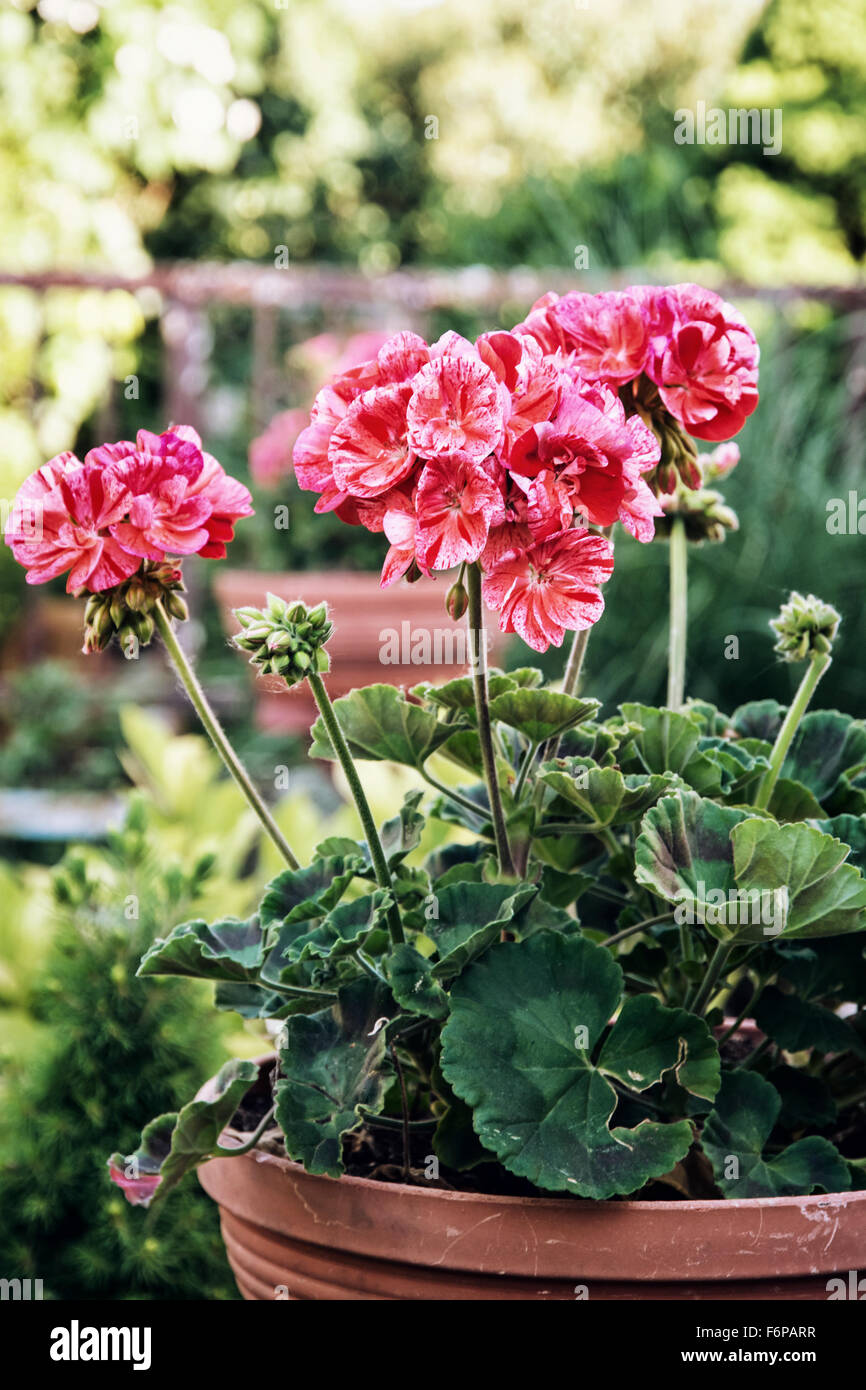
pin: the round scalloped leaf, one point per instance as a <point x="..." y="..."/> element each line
<point x="602" y="796"/>
<point x="736" y="1132"/>
<point x="825" y="896"/>
<point x="759" y="719"/>
<point x="684" y="853"/>
<point x="541" y="714"/>
<point x="798" y="1025"/>
<point x="297" y="895"/>
<point x="334" y="1063"/>
<point x="380" y="725"/>
<point x="826" y="745"/>
<point x="851" y="830"/>
<point x="469" y="917"/>
<point x="518" y="1048"/>
<point x="228" y="950"/>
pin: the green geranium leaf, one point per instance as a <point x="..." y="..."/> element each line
<point x="791" y="801"/>
<point x="343" y="929"/>
<point x="563" y="889"/>
<point x="736" y="1131"/>
<point x="518" y="1048"/>
<point x="851" y="830"/>
<point x="468" y="918"/>
<point x="334" y="1065"/>
<point x="590" y="740"/>
<point x="833" y="967"/>
<point x="173" y="1144"/>
<point x="297" y="895"/>
<point x="684" y="853"/>
<point x="711" y="720"/>
<point x="602" y="796"/>
<point x="741" y="765"/>
<point x="798" y="1025"/>
<point x="380" y="725"/>
<point x="459" y="694"/>
<point x="412" y="983"/>
<point x="667" y="741"/>
<point x="826" y="897"/>
<point x="825" y="745"/>
<point x="746" y="876"/>
<point x="402" y="834"/>
<point x="251" y="1001"/>
<point x="228" y="950"/>
<point x="759" y="719"/>
<point x="806" y="1101"/>
<point x="541" y="714"/>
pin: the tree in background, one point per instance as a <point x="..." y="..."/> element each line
<point x="116" y="1051"/>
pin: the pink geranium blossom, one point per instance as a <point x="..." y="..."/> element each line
<point x="456" y="409"/>
<point x="369" y="451"/>
<point x="77" y="503"/>
<point x="126" y="502"/>
<point x="606" y="335"/>
<point x="457" y="501"/>
<point x="550" y="588"/>
<point x="164" y="514"/>
<point x="704" y="360"/>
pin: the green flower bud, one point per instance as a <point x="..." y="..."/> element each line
<point x="804" y="626"/>
<point x="285" y="638"/>
<point x="706" y="516"/>
<point x="457" y="601"/>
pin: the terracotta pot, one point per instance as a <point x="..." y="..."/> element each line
<point x="291" y="1235"/>
<point x="363" y="613"/>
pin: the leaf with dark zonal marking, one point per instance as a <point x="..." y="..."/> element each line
<point x="736" y="1133"/>
<point x="173" y="1144"/>
<point x="297" y="895"/>
<point x="335" y="1065"/>
<point x="525" y="1025"/>
<point x="227" y="950"/>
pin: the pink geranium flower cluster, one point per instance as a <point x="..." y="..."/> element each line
<point x="696" y="348"/>
<point x="504" y="452"/>
<point x="491" y="452"/>
<point x="127" y="502"/>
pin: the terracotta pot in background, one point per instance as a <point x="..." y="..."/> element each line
<point x="362" y="612"/>
<point x="289" y="1234"/>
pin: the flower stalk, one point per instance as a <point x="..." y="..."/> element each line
<point x="818" y="663"/>
<point x="217" y="735"/>
<point x="678" y="629"/>
<point x="478" y="657"/>
<point x="371" y="834"/>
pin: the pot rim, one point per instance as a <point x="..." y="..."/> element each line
<point x="816" y="1200"/>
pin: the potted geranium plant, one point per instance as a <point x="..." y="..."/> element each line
<point x="609" y="1043"/>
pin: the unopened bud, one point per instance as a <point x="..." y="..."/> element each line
<point x="457" y="601"/>
<point x="805" y="626"/>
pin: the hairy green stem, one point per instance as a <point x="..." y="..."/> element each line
<point x="371" y="834"/>
<point x="478" y="656"/>
<point x="454" y="795"/>
<point x="714" y="972"/>
<point x="638" y="926"/>
<point x="217" y="735"/>
<point x="818" y="663"/>
<point x="679" y="610"/>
